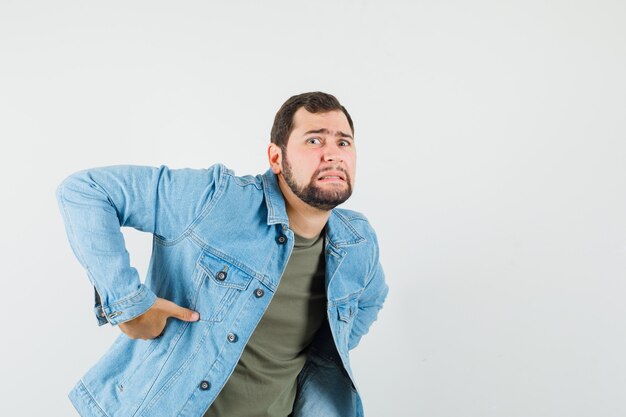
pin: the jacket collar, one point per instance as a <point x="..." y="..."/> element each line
<point x="339" y="230"/>
<point x="276" y="210"/>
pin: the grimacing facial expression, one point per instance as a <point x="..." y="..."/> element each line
<point x="319" y="161"/>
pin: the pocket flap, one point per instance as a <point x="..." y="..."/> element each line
<point x="224" y="273"/>
<point x="347" y="310"/>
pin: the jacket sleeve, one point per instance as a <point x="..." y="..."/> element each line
<point x="370" y="302"/>
<point x="94" y="205"/>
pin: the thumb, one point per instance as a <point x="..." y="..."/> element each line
<point x="181" y="313"/>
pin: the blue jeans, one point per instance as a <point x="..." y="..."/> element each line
<point x="324" y="390"/>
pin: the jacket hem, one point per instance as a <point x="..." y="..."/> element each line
<point x="84" y="403"/>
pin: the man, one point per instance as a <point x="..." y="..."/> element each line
<point x="257" y="286"/>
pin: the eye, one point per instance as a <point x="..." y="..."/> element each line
<point x="314" y="141"/>
<point x="344" y="142"/>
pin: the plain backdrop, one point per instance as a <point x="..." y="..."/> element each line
<point x="491" y="141"/>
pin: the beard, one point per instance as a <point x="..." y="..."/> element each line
<point x="313" y="195"/>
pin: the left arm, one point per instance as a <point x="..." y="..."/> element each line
<point x="370" y="303"/>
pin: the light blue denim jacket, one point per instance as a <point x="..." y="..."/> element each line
<point x="204" y="222"/>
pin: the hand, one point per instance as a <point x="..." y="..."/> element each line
<point x="150" y="324"/>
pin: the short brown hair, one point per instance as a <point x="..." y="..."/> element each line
<point x="314" y="102"/>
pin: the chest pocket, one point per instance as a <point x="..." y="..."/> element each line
<point x="220" y="284"/>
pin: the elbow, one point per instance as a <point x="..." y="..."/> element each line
<point x="69" y="184"/>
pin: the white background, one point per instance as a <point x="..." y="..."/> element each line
<point x="491" y="139"/>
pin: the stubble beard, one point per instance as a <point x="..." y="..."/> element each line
<point x="312" y="194"/>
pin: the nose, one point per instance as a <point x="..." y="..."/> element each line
<point x="332" y="152"/>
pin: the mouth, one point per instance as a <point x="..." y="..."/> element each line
<point x="332" y="176"/>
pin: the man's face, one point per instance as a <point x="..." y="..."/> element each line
<point x="320" y="160"/>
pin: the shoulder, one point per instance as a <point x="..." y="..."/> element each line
<point x="241" y="180"/>
<point x="351" y="215"/>
<point x="359" y="223"/>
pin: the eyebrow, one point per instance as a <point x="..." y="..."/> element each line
<point x="327" y="132"/>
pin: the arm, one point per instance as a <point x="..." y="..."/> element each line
<point x="96" y="203"/>
<point x="370" y="303"/>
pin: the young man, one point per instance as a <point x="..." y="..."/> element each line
<point x="257" y="287"/>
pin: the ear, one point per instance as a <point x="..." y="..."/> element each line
<point x="275" y="158"/>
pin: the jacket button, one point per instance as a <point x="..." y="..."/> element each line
<point x="204" y="385"/>
<point x="258" y="293"/>
<point x="221" y="275"/>
<point x="232" y="337"/>
<point x="281" y="239"/>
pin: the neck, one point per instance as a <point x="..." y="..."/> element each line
<point x="304" y="220"/>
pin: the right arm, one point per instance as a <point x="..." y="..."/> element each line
<point x="95" y="203"/>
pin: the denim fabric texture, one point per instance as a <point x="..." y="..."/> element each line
<point x="217" y="238"/>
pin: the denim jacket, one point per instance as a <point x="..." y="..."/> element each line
<point x="217" y="240"/>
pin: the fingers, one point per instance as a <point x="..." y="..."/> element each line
<point x="151" y="324"/>
<point x="143" y="331"/>
<point x="178" y="312"/>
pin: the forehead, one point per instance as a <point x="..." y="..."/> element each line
<point x="334" y="120"/>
